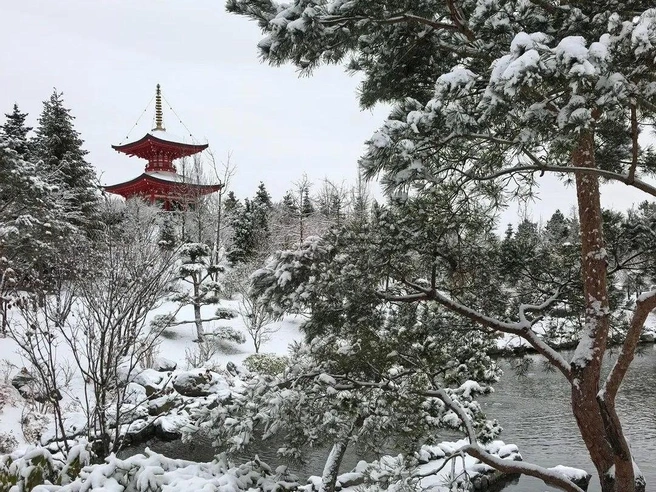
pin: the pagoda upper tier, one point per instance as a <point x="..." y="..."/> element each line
<point x="160" y="149"/>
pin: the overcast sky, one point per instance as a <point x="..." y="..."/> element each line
<point x="107" y="56"/>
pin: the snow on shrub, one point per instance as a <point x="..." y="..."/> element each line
<point x="266" y="364"/>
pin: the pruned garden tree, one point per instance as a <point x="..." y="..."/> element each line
<point x="196" y="273"/>
<point x="489" y="95"/>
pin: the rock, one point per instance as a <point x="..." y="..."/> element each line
<point x="199" y="382"/>
<point x="580" y="477"/>
<point x="648" y="337"/>
<point x="135" y="394"/>
<point x="138" y="432"/>
<point x="168" y="428"/>
<point x="152" y="380"/>
<point x="161" y="405"/>
<point x="235" y="370"/>
<point x="27" y="387"/>
<point x="164" y="365"/>
<point x="23" y="378"/>
<point x="166" y="435"/>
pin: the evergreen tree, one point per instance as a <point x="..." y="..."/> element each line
<point x="487" y="96"/>
<point x="15" y="132"/>
<point x="59" y="147"/>
<point x="32" y="223"/>
<point x="262" y="197"/>
<point x="197" y="270"/>
<point x="251" y="228"/>
<point x="307" y="207"/>
<point x="289" y="204"/>
<point x="231" y="203"/>
<point x="557" y="230"/>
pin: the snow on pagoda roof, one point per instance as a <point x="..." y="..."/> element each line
<point x="167" y="176"/>
<point x="172" y="182"/>
<point x="166" y="137"/>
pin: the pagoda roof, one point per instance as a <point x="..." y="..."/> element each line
<point x="160" y="140"/>
<point x="161" y="184"/>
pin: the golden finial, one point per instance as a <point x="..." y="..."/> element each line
<point x="158" y="110"/>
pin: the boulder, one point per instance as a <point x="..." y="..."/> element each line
<point x="27" y="387"/>
<point x="162" y="364"/>
<point x="200" y="382"/>
<point x="152" y="380"/>
<point x="23" y="378"/>
<point x="168" y="427"/>
<point x="236" y="370"/>
<point x="161" y="405"/>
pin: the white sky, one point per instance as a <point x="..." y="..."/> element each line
<point x="107" y="56"/>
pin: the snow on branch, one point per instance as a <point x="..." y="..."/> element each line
<point x="521" y="328"/>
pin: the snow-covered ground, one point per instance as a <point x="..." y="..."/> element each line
<point x="176" y="343"/>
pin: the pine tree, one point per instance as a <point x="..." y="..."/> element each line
<point x="198" y="271"/>
<point x="59" y="146"/>
<point x="16" y="132"/>
<point x="487" y="97"/>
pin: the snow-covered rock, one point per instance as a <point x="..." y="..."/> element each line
<point x="579" y="477"/>
<point x="152" y="380"/>
<point x="163" y="364"/>
<point x="200" y="382"/>
<point x="161" y="405"/>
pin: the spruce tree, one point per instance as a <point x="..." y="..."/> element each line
<point x="231" y="203"/>
<point x="59" y="146"/>
<point x="307" y="207"/>
<point x="16" y="131"/>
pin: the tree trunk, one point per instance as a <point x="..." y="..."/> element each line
<point x="331" y="468"/>
<point x="200" y="333"/>
<point x="602" y="434"/>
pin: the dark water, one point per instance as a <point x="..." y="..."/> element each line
<point x="535" y="413"/>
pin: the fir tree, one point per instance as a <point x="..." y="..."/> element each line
<point x="16" y="131"/>
<point x="262" y="197"/>
<point x="289" y="204"/>
<point x="59" y="146"/>
<point x="231" y="203"/>
<point x="307" y="207"/>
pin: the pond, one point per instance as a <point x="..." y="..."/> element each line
<point x="535" y="413"/>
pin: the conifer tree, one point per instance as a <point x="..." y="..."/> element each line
<point x="231" y="203"/>
<point x="59" y="146"/>
<point x="488" y="96"/>
<point x="16" y="131"/>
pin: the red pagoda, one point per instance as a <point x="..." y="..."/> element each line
<point x="160" y="183"/>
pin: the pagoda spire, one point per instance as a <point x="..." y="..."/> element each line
<point x="159" y="123"/>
